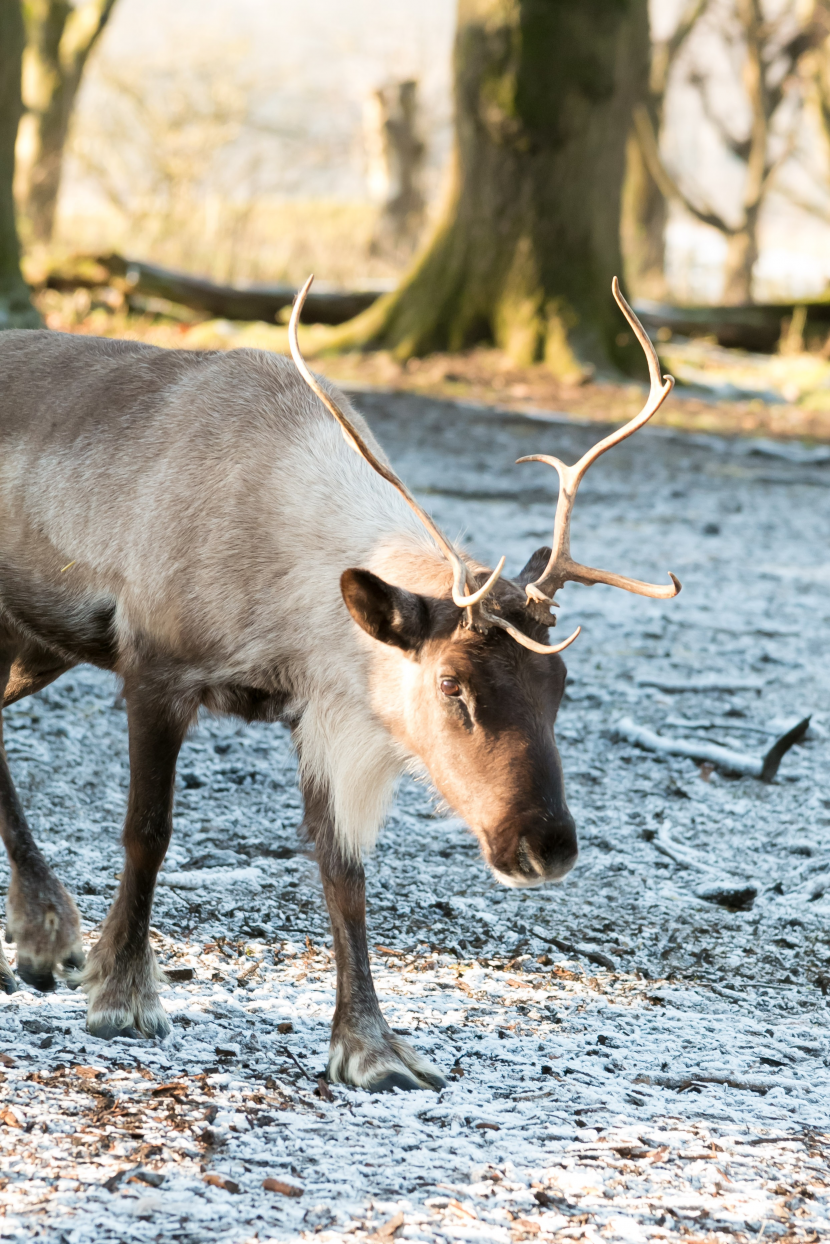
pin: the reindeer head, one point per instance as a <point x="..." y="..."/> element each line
<point x="464" y="678"/>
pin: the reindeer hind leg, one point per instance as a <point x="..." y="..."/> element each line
<point x="41" y="916"/>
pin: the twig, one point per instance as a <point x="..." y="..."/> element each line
<point x="285" y="1050"/>
<point x="593" y="956"/>
<point x="681" y="855"/>
<point x="764" y="767"/>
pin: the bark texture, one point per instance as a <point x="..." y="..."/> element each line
<point x="770" y="70"/>
<point x="60" y="37"/>
<point x="529" y="240"/>
<point x="645" y="206"/>
<point x="16" y="310"/>
<point x="644" y="219"/>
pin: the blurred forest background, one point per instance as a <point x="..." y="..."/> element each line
<point x="481" y="170"/>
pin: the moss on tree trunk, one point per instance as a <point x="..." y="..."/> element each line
<point x="529" y="240"/>
<point x="16" y="310"/>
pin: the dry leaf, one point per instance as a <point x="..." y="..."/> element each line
<point x="174" y="1089"/>
<point x="12" y="1117"/>
<point x="284" y="1189"/>
<point x="221" y="1181"/>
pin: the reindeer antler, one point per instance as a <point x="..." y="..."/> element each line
<point x="461" y="579"/>
<point x="471" y="602"/>
<point x="561" y="568"/>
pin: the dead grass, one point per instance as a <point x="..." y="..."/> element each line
<point x="481" y="376"/>
<point x="267" y="241"/>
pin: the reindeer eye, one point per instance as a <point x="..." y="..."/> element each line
<point x="449" y="686"/>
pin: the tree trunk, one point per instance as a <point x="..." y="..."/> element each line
<point x="643" y="228"/>
<point x="396" y="158"/>
<point x="530" y="238"/>
<point x="741" y="255"/>
<point x="60" y="37"/>
<point x="16" y="311"/>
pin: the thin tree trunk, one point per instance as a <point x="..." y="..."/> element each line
<point x="16" y="310"/>
<point x="529" y="241"/>
<point x="60" y="39"/>
<point x="741" y="255"/>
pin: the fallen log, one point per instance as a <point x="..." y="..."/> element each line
<point x="764" y="767"/>
<point x="231" y="303"/>
<point x="757" y="327"/>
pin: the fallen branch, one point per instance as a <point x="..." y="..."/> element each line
<point x="764" y="767"/>
<point x="691" y="1078"/>
<point x="757" y="327"/>
<point x="230" y="303"/>
<point x="678" y="685"/>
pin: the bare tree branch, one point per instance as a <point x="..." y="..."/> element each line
<point x="668" y="185"/>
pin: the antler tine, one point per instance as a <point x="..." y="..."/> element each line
<point x="561" y="568"/>
<point x="461" y="576"/>
<point x="527" y="642"/>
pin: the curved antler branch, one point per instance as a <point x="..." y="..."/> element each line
<point x="527" y="642"/>
<point x="561" y="568"/>
<point x="461" y="576"/>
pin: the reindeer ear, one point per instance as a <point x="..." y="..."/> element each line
<point x="534" y="567"/>
<point x="389" y="614"/>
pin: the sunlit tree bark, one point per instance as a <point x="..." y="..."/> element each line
<point x="59" y="39"/>
<point x="528" y="243"/>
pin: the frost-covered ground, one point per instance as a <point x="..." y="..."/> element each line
<point x="628" y="1061"/>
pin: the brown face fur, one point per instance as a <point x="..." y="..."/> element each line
<point x="479" y="711"/>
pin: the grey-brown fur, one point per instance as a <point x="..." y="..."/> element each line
<point x="185" y="520"/>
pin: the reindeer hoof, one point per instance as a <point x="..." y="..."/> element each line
<point x="7" y="982"/>
<point x="393" y="1080"/>
<point x="156" y="1027"/>
<point x="379" y="1062"/>
<point x="42" y="981"/>
<point x="108" y="1032"/>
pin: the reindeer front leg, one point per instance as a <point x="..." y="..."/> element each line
<point x="364" y="1051"/>
<point x="121" y="976"/>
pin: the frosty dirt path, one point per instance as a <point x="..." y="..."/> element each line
<point x="628" y="1060"/>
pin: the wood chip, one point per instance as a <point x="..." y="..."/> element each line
<point x="284" y="1189"/>
<point x="285" y="1026"/>
<point x="387" y="1230"/>
<point x="179" y="974"/>
<point x="488" y="1127"/>
<point x="462" y="1209"/>
<point x="221" y="1181"/>
<point x="324" y="1090"/>
<point x="249" y="970"/>
<point x="174" y="1089"/>
<point x="6" y="1060"/>
<point x="88" y="1073"/>
<point x="12" y="1117"/>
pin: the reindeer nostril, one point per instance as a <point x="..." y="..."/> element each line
<point x="549" y="855"/>
<point x="527" y="861"/>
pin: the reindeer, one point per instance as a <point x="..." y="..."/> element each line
<point x="197" y="524"/>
